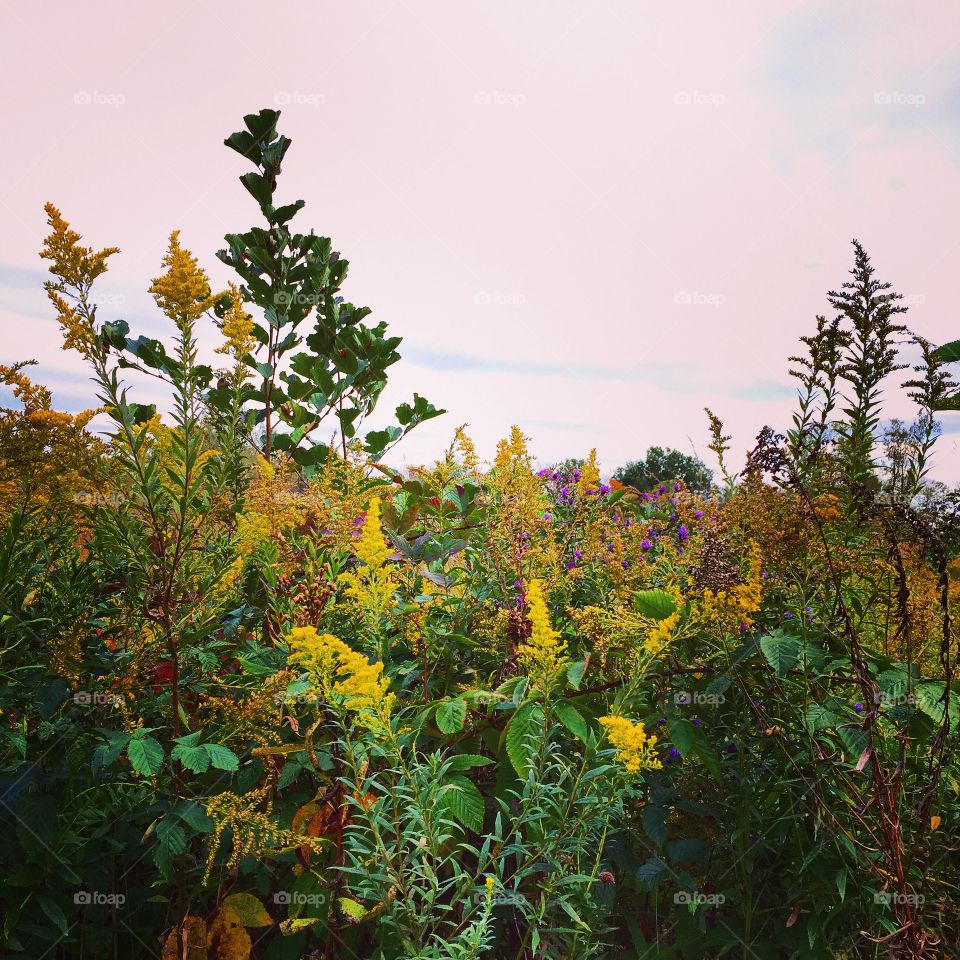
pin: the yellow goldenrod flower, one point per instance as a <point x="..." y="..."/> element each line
<point x="542" y="653"/>
<point x="183" y="291"/>
<point x="661" y="634"/>
<point x="635" y="749"/>
<point x="337" y="671"/>
<point x="372" y="585"/>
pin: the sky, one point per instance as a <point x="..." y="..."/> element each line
<point x="588" y="219"/>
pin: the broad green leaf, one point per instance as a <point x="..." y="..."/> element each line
<point x="465" y="802"/>
<point x="467" y="761"/>
<point x="451" y="715"/>
<point x="655" y="604"/>
<point x="781" y="650"/>
<point x="146" y="755"/>
<point x="522" y="736"/>
<point x="572" y="719"/>
<point x="223" y="758"/>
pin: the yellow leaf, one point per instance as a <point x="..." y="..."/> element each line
<point x="249" y="909"/>
<point x="351" y="908"/>
<point x="934" y="823"/>
<point x="194" y="941"/>
<point x="227" y="938"/>
<point x="296" y="924"/>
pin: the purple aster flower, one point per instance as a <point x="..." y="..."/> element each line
<point x="683" y="533"/>
<point x="578" y="554"/>
<point x="517" y="585"/>
<point x="697" y="722"/>
<point x="625" y="564"/>
<point x="676" y="486"/>
<point x="787" y="615"/>
<point x="698" y="515"/>
<point x="730" y="748"/>
<point x="662" y="722"/>
<point x="604" y="489"/>
<point x="858" y="707"/>
<point x="673" y="754"/>
<point x="571" y="565"/>
<point x="645" y="544"/>
<point x="544" y="473"/>
<point x="575" y="474"/>
<point x="662" y="488"/>
<point x="547" y="516"/>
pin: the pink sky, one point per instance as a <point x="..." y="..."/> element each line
<point x="590" y="219"/>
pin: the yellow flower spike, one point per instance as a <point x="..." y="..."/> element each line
<point x="183" y="291"/>
<point x="635" y="749"/>
<point x="372" y="547"/>
<point x="337" y="671"/>
<point x="542" y="654"/>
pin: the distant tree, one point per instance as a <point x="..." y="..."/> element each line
<point x="665" y="465"/>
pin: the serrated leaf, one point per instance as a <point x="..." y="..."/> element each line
<point x="451" y="715"/>
<point x="818" y="717"/>
<point x="523" y="731"/>
<point x="650" y="874"/>
<point x="467" y="761"/>
<point x="195" y="759"/>
<point x="572" y="719"/>
<point x="781" y="650"/>
<point x="171" y="836"/>
<point x="223" y="758"/>
<point x="465" y="802"/>
<point x="146" y="755"/>
<point x="654" y="824"/>
<point x="655" y="604"/>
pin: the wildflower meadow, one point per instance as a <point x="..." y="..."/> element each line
<point x="268" y="692"/>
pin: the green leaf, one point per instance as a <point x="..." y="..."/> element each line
<point x="682" y="734"/>
<point x="351" y="908"/>
<point x="948" y="353"/>
<point x="655" y="604"/>
<point x="688" y="850"/>
<point x="818" y="717"/>
<point x="223" y="758"/>
<point x="465" y="802"/>
<point x="654" y="824"/>
<point x="650" y="874"/>
<point x="575" y="673"/>
<point x="781" y="650"/>
<point x="52" y="909"/>
<point x="195" y="759"/>
<point x="451" y="715"/>
<point x="467" y="761"/>
<point x="146" y="755"/>
<point x="171" y="836"/>
<point x="572" y="719"/>
<point x="523" y="732"/>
